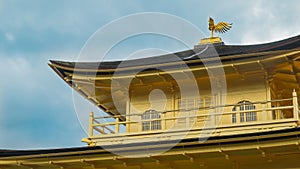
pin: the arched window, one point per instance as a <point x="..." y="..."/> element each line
<point x="247" y="116"/>
<point x="149" y="122"/>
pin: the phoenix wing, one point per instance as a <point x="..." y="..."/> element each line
<point x="222" y="27"/>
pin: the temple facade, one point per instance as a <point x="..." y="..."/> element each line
<point x="214" y="106"/>
<point x="229" y="88"/>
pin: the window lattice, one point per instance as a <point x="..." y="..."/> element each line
<point x="149" y="121"/>
<point x="190" y="107"/>
<point x="244" y="116"/>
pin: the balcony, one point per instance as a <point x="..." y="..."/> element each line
<point x="196" y="122"/>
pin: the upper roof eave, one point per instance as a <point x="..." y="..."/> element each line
<point x="222" y="51"/>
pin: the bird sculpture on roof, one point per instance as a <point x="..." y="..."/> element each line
<point x="221" y="27"/>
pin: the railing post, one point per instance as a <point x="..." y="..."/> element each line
<point x="295" y="105"/>
<point x="117" y="125"/>
<point x="264" y="112"/>
<point x="91" y="128"/>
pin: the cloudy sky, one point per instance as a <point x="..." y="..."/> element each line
<point x="36" y="106"/>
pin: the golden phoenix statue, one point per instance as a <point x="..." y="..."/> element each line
<point x="221" y="27"/>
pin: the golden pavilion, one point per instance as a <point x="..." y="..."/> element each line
<point x="214" y="106"/>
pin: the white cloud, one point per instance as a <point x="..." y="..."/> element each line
<point x="9" y="37"/>
<point x="17" y="72"/>
<point x="260" y="10"/>
<point x="1" y="107"/>
<point x="68" y="17"/>
<point x="263" y="22"/>
<point x="29" y="91"/>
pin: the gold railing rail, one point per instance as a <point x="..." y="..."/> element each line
<point x="113" y="126"/>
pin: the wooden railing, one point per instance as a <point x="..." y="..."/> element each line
<point x="272" y="111"/>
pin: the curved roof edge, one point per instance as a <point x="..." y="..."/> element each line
<point x="192" y="54"/>
<point x="217" y="140"/>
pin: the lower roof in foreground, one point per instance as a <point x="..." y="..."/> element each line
<point x="272" y="149"/>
